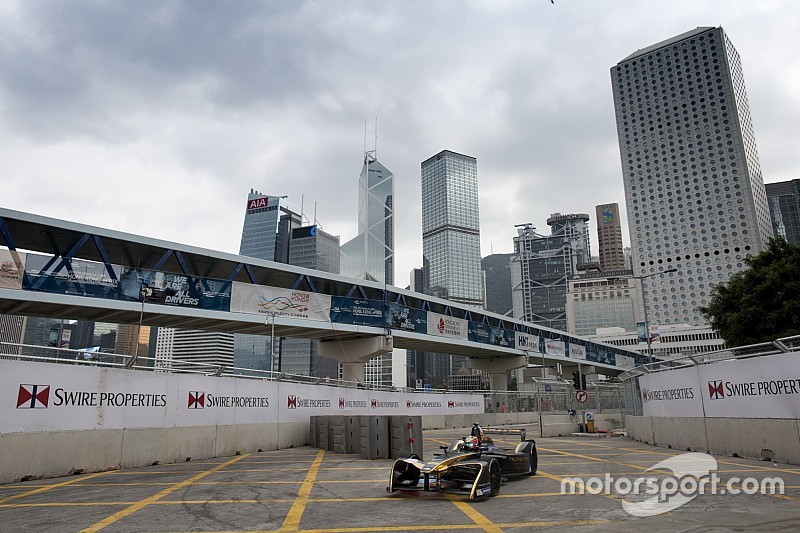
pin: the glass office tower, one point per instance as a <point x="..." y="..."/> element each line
<point x="370" y="255"/>
<point x="784" y="207"/>
<point x="451" y="247"/>
<point x="693" y="185"/>
<point x="451" y="240"/>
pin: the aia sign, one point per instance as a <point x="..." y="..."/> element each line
<point x="33" y="397"/>
<point x="256" y="203"/>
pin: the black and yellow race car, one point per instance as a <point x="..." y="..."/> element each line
<point x="472" y="465"/>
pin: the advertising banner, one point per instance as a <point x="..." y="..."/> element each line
<point x="502" y="337"/>
<point x="12" y="266"/>
<point x="760" y="387"/>
<point x="623" y="361"/>
<point x="525" y="341"/>
<point x="672" y="393"/>
<point x="555" y="347"/>
<point x="263" y="300"/>
<point x="478" y="332"/>
<point x="83" y="278"/>
<point x="357" y="311"/>
<point x="53" y="397"/>
<point x="576" y="351"/>
<point x="447" y="326"/>
<point x="167" y="288"/>
<point x="406" y="318"/>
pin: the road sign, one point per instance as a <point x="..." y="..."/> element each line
<point x="548" y="388"/>
<point x="581" y="396"/>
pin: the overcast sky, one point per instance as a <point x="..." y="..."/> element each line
<point x="157" y="118"/>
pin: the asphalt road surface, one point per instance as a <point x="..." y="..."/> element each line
<point x="308" y="490"/>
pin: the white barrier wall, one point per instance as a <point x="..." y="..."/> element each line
<point x="55" y="397"/>
<point x="760" y="387"/>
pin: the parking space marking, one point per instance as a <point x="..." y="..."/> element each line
<point x="473" y="514"/>
<point x="147" y="501"/>
<point x="49" y="487"/>
<point x="292" y="520"/>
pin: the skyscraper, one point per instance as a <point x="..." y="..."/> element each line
<point x="784" y="208"/>
<point x="451" y="244"/>
<point x="542" y="266"/>
<point x="497" y="275"/>
<point x="693" y="186"/>
<point x="310" y="247"/>
<point x="451" y="240"/>
<point x="266" y="234"/>
<point x="609" y="237"/>
<point x="370" y="255"/>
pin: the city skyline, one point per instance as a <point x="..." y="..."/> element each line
<point x="160" y="140"/>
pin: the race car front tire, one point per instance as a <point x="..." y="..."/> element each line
<point x="495" y="477"/>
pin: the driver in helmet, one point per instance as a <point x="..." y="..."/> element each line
<point x="470" y="444"/>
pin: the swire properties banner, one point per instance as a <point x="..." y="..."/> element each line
<point x="263" y="300"/>
<point x="759" y="387"/>
<point x="53" y="397"/>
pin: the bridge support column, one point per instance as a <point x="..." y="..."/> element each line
<point x="498" y="367"/>
<point x="354" y="353"/>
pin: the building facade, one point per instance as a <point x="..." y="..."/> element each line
<point x="451" y="247"/>
<point x="600" y="300"/>
<point x="693" y="188"/>
<point x="310" y="247"/>
<point x="609" y="237"/>
<point x="784" y="208"/>
<point x="497" y="280"/>
<point x="451" y="239"/>
<point x="266" y="234"/>
<point x="542" y="266"/>
<point x="370" y="255"/>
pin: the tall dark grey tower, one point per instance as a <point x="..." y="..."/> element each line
<point x="693" y="185"/>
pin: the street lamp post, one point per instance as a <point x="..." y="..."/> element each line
<point x="644" y="305"/>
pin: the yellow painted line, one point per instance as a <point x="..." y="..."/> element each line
<point x="147" y="501"/>
<point x="473" y="514"/>
<point x="292" y="520"/>
<point x="63" y="504"/>
<point x="50" y="487"/>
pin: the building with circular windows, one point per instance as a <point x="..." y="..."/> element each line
<point x="693" y="187"/>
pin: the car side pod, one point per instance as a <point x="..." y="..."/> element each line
<point x="529" y="447"/>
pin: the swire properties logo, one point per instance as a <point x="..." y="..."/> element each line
<point x="344" y="403"/>
<point x="296" y="402"/>
<point x="197" y="400"/>
<point x="715" y="390"/>
<point x="452" y="404"/>
<point x="33" y="396"/>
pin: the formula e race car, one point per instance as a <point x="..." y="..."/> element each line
<point x="472" y="465"/>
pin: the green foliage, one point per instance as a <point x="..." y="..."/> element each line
<point x="761" y="303"/>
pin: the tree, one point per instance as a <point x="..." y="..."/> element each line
<point x="761" y="303"/>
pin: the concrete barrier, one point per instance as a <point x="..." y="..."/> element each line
<point x="751" y="438"/>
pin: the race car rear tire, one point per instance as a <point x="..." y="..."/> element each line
<point x="495" y="477"/>
<point x="534" y="458"/>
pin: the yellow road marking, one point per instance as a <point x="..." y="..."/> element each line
<point x="482" y="522"/>
<point x="292" y="520"/>
<point x="147" y="501"/>
<point x="49" y="487"/>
